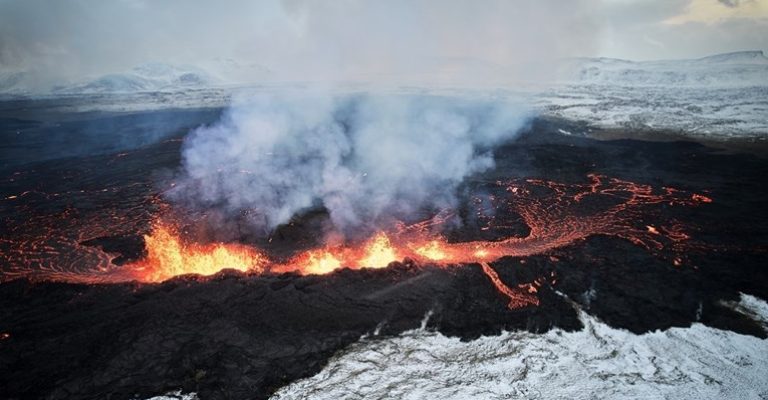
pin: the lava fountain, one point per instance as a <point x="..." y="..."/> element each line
<point x="168" y="256"/>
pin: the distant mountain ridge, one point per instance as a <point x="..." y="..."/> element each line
<point x="735" y="57"/>
<point x="143" y="78"/>
<point x="743" y="68"/>
<point x="736" y="69"/>
<point x="756" y="56"/>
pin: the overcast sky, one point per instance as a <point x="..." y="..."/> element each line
<point x="335" y="39"/>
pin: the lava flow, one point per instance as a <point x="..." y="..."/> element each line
<point x="556" y="215"/>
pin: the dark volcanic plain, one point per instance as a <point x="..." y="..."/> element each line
<point x="238" y="336"/>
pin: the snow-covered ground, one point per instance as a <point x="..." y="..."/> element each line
<point x="720" y="96"/>
<point x="718" y="113"/>
<point x="597" y="362"/>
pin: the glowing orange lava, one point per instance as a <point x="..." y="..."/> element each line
<point x="378" y="253"/>
<point x="521" y="296"/>
<point x="701" y="198"/>
<point x="432" y="251"/>
<point x="169" y="256"/>
<point x="556" y="214"/>
<point x="316" y="262"/>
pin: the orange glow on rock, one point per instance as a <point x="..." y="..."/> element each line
<point x="169" y="256"/>
<point x="701" y="198"/>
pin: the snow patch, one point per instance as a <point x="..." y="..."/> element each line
<point x="177" y="395"/>
<point x="716" y="112"/>
<point x="683" y="363"/>
<point x="144" y="78"/>
<point x="722" y="95"/>
<point x="747" y="68"/>
<point x="752" y="307"/>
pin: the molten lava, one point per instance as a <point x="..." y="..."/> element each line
<point x="378" y="253"/>
<point x="556" y="215"/>
<point x="432" y="251"/>
<point x="316" y="262"/>
<point x="519" y="297"/>
<point x="701" y="198"/>
<point x="169" y="256"/>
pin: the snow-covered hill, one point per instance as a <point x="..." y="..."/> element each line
<point x="720" y="96"/>
<point x="747" y="68"/>
<point x="150" y="77"/>
<point x="144" y="78"/>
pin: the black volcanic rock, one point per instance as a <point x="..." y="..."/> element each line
<point x="233" y="336"/>
<point x="239" y="336"/>
<point x="130" y="248"/>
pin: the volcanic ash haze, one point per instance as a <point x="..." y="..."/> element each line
<point x="368" y="159"/>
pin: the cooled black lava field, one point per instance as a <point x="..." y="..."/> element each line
<point x="696" y="237"/>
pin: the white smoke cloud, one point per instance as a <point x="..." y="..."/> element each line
<point x="366" y="158"/>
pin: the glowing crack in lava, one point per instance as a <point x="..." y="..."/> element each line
<point x="557" y="214"/>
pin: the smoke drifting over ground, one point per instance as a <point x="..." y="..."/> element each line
<point x="366" y="159"/>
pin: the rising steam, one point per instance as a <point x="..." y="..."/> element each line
<point x="367" y="159"/>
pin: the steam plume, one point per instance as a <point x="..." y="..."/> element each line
<point x="365" y="158"/>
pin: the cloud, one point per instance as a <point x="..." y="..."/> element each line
<point x="675" y="29"/>
<point x="395" y="41"/>
<point x="422" y="42"/>
<point x="729" y="3"/>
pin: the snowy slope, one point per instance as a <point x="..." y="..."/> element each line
<point x="144" y="78"/>
<point x="596" y="362"/>
<point x="11" y="80"/>
<point x="747" y="68"/>
<point x="149" y="77"/>
<point x="720" y="96"/>
<point x="719" y="113"/>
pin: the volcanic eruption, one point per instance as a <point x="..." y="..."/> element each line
<point x="555" y="215"/>
<point x="385" y="173"/>
<point x="294" y="199"/>
<point x="131" y="238"/>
